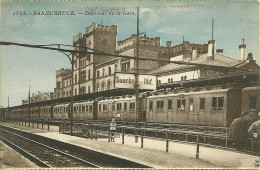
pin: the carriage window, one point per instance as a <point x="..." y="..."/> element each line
<point x="252" y="102"/>
<point x="125" y="106"/>
<point x="83" y="108"/>
<point x="90" y="108"/>
<point x="119" y="107"/>
<point x="220" y="102"/>
<point x="132" y="106"/>
<point x="86" y="108"/>
<point x="191" y="105"/>
<point x="169" y="104"/>
<point x="217" y="103"/>
<point x="181" y="104"/>
<point x="75" y="109"/>
<point x="159" y="104"/>
<point x="104" y="107"/>
<point x="67" y="109"/>
<point x="113" y="107"/>
<point x="99" y="107"/>
<point x="202" y="103"/>
<point x="109" y="107"/>
<point x="150" y="105"/>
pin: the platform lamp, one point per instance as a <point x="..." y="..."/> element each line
<point x="72" y="62"/>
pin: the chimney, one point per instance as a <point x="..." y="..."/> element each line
<point x="194" y="54"/>
<point x="169" y="44"/>
<point x="242" y="49"/>
<point x="211" y="48"/>
<point x="220" y="51"/>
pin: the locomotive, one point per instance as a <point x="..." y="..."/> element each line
<point x="212" y="106"/>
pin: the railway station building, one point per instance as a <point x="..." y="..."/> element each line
<point x="96" y="73"/>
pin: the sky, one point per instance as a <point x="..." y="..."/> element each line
<point x="170" y="20"/>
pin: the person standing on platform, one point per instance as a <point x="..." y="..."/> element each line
<point x="254" y="130"/>
<point x="238" y="130"/>
<point x="113" y="130"/>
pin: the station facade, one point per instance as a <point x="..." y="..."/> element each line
<point x="95" y="73"/>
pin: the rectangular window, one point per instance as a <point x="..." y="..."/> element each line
<point x="86" y="108"/>
<point x="191" y="105"/>
<point x="169" y="104"/>
<point x="150" y="106"/>
<point x="202" y="103"/>
<point x="125" y="106"/>
<point x="104" y="107"/>
<point x="159" y="104"/>
<point x="67" y="109"/>
<point x="181" y="104"/>
<point x="113" y="107"/>
<point x="99" y="107"/>
<point x="119" y="107"/>
<point x="252" y="102"/>
<point x="109" y="107"/>
<point x="132" y="106"/>
<point x="75" y="108"/>
<point x="217" y="103"/>
<point x="90" y="108"/>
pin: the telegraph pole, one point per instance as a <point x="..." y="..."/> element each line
<point x="29" y="106"/>
<point x="136" y="79"/>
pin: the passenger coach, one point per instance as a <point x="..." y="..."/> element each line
<point x="209" y="107"/>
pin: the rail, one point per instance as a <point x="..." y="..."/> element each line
<point x="199" y="135"/>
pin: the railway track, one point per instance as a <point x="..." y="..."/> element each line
<point x="46" y="152"/>
<point x="45" y="156"/>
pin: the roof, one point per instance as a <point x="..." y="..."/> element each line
<point x="219" y="60"/>
<point x="189" y="93"/>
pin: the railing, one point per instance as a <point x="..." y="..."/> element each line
<point x="198" y="135"/>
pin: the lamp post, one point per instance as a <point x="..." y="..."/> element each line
<point x="72" y="61"/>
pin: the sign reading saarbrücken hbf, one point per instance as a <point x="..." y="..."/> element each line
<point x="126" y="80"/>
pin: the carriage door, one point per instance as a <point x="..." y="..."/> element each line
<point x="169" y="112"/>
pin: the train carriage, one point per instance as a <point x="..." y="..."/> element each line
<point x="251" y="99"/>
<point x="57" y="111"/>
<point x="209" y="107"/>
<point x="45" y="112"/>
<point x="123" y="108"/>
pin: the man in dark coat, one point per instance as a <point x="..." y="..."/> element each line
<point x="238" y="132"/>
<point x="254" y="131"/>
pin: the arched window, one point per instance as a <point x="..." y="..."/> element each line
<point x="98" y="85"/>
<point x="88" y="89"/>
<point x="103" y="85"/>
<point x="108" y="85"/>
<point x="103" y="72"/>
<point x="97" y="73"/>
<point x="75" y="91"/>
<point x="88" y="74"/>
<point x="109" y="70"/>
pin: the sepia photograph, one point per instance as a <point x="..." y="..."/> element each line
<point x="142" y="84"/>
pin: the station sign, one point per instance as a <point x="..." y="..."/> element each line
<point x="127" y="80"/>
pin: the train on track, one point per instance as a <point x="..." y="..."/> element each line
<point x="212" y="106"/>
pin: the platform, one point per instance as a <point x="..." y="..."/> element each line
<point x="153" y="154"/>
